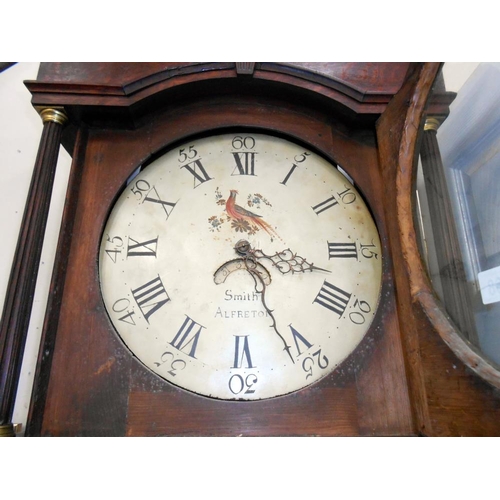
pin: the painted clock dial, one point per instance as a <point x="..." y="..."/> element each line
<point x="240" y="266"/>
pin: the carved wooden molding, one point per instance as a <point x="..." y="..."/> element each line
<point x="124" y="84"/>
<point x="245" y="68"/>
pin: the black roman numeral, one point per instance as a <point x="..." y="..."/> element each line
<point x="333" y="298"/>
<point x="245" y="163"/>
<point x="167" y="206"/>
<point x="198" y="171"/>
<point x="325" y="205"/>
<point x="297" y="337"/>
<point x="241" y="350"/>
<point x="142" y="249"/>
<point x="285" y="180"/>
<point x="342" y="251"/>
<point x="150" y="297"/>
<point x="187" y="336"/>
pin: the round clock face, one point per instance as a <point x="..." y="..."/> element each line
<point x="240" y="266"/>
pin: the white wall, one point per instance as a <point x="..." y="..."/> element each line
<point x="20" y="130"/>
<point x="455" y="74"/>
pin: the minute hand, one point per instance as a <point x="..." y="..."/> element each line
<point x="285" y="261"/>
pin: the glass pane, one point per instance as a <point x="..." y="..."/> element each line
<point x="458" y="193"/>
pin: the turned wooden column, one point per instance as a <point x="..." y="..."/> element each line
<point x="21" y="287"/>
<point x="456" y="296"/>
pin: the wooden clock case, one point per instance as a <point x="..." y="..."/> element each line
<point x="364" y="117"/>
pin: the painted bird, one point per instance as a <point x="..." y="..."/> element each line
<point x="240" y="213"/>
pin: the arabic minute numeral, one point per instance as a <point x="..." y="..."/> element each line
<point x="237" y="383"/>
<point x="239" y="142"/>
<point x="316" y="359"/>
<point x="174" y="364"/>
<point x="184" y="156"/>
<point x="140" y="188"/>
<point x="367" y="252"/>
<point x="358" y="317"/>
<point x="123" y="306"/>
<point x="347" y="196"/>
<point x="116" y="244"/>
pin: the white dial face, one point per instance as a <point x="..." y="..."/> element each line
<point x="273" y="316"/>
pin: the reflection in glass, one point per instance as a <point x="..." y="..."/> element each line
<point x="459" y="195"/>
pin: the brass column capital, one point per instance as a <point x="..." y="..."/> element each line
<point x="432" y="123"/>
<point x="7" y="430"/>
<point x="53" y="114"/>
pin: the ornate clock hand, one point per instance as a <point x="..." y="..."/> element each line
<point x="251" y="266"/>
<point x="285" y="261"/>
<point x="260" y="276"/>
<point x="231" y="266"/>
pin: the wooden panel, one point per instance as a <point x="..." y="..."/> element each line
<point x="382" y="391"/>
<point x="291" y="416"/>
<point x="459" y="402"/>
<point x="397" y="132"/>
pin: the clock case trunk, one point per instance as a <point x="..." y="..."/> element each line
<point x="121" y="116"/>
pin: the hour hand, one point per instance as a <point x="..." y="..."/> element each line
<point x="240" y="264"/>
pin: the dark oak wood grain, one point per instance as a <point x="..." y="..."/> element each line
<point x="47" y="342"/>
<point x="397" y="131"/>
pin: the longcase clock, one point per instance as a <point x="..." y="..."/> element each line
<point x="231" y="257"/>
